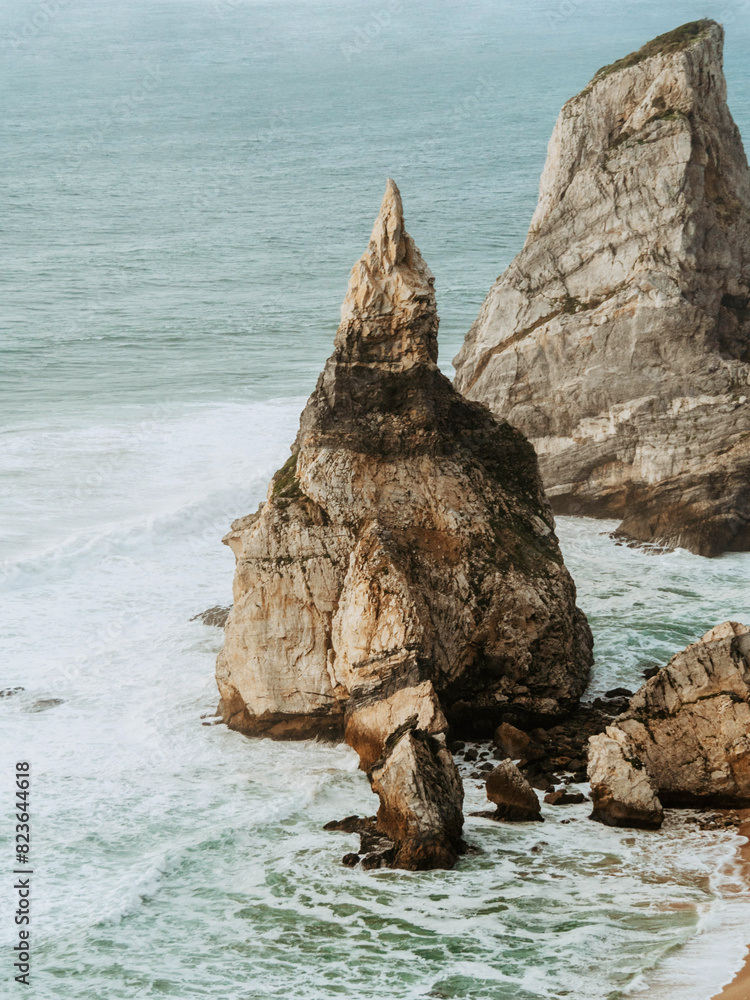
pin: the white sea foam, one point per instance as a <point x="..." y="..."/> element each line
<point x="158" y="837"/>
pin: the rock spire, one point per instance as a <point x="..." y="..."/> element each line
<point x="404" y="566"/>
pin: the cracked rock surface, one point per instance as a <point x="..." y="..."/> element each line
<point x="687" y="731"/>
<point x="405" y="563"/>
<point x="618" y="340"/>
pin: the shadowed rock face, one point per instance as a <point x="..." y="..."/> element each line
<point x="618" y="340"/>
<point x="405" y="560"/>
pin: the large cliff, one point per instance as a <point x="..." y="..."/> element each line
<point x="618" y="340"/>
<point x="405" y="562"/>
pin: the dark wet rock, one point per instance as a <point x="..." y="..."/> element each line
<point x="9" y="692"/>
<point x="564" y="798"/>
<point x="471" y="754"/>
<point x="350" y="860"/>
<point x="214" y="616"/>
<point x="514" y="742"/>
<point x="514" y="797"/>
<point x="619" y="692"/>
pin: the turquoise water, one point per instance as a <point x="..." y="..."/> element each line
<point x="187" y="184"/>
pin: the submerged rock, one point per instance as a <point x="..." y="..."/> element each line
<point x="622" y="791"/>
<point x="405" y="560"/>
<point x="618" y="340"/>
<point x="421" y="798"/>
<point x="514" y="797"/>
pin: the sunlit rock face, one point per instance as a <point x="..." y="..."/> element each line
<point x="405" y="561"/>
<point x="618" y="340"/>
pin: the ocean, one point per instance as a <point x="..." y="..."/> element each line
<point x="186" y="186"/>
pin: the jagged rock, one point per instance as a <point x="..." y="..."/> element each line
<point x="618" y="340"/>
<point x="405" y="559"/>
<point x="511" y="740"/>
<point x="216" y="615"/>
<point x="690" y="724"/>
<point x="622" y="791"/>
<point x="421" y="798"/>
<point x="514" y="797"/>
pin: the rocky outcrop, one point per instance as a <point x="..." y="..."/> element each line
<point x="421" y="798"/>
<point x="690" y="724"/>
<point x="405" y="561"/>
<point x="618" y="340"/>
<point x="514" y="797"/>
<point x="686" y="733"/>
<point x="622" y="791"/>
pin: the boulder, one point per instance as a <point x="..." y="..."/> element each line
<point x="690" y="723"/>
<point x="421" y="798"/>
<point x="514" y="797"/>
<point x="622" y="792"/>
<point x="564" y="798"/>
<point x="618" y="340"/>
<point x="512" y="741"/>
<point x="405" y="559"/>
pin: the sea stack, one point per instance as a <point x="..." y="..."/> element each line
<point x="618" y="340"/>
<point x="404" y="565"/>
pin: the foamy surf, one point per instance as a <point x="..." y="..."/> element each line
<point x="167" y="840"/>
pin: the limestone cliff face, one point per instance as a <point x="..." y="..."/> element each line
<point x="618" y="340"/>
<point x="405" y="560"/>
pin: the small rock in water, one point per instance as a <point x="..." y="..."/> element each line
<point x="564" y="798"/>
<point x="350" y="860"/>
<point x="650" y="672"/>
<point x="471" y="754"/>
<point x="513" y="741"/>
<point x="512" y="794"/>
<point x="9" y="692"/>
<point x="619" y="693"/>
<point x="214" y="616"/>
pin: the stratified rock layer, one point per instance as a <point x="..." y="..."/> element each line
<point x="405" y="560"/>
<point x="618" y="340"/>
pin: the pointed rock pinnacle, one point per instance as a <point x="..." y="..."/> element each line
<point x="389" y="314"/>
